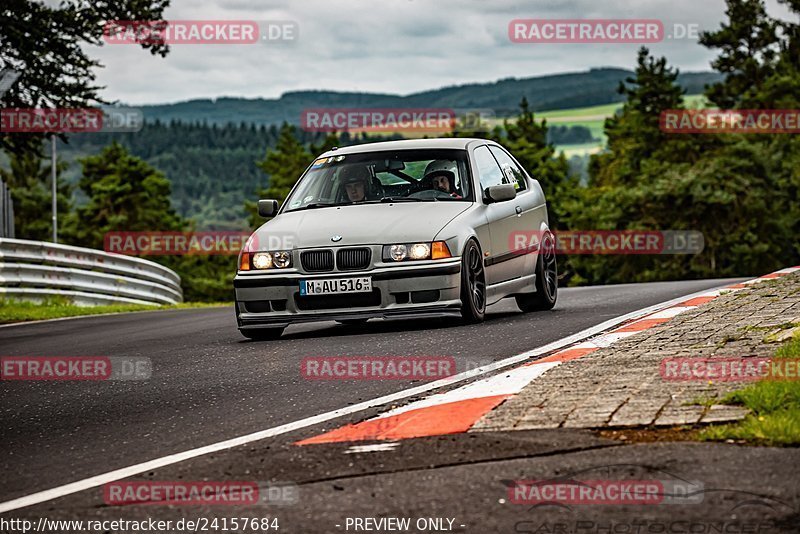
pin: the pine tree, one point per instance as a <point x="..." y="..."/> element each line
<point x="748" y="44"/>
<point x="124" y="194"/>
<point x="283" y="165"/>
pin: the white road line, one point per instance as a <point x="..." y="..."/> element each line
<point x="669" y="313"/>
<point x="376" y="447"/>
<point x="510" y="382"/>
<point x="606" y="340"/>
<point x="125" y="472"/>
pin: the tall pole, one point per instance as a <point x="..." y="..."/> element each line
<point x="55" y="187"/>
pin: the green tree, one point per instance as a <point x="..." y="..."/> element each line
<point x="634" y="134"/>
<point x="749" y="46"/>
<point x="630" y="184"/>
<point x="284" y="165"/>
<point x="46" y="42"/>
<point x="124" y="194"/>
<point x="526" y="139"/>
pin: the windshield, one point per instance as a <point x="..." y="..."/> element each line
<point x="374" y="177"/>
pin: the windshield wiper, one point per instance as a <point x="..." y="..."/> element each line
<point x="315" y="205"/>
<point x="398" y="199"/>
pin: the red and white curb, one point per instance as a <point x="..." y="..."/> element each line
<point x="458" y="410"/>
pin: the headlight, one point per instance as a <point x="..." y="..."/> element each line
<point x="416" y="251"/>
<point x="281" y="260"/>
<point x="398" y="252"/>
<point x="420" y="251"/>
<point x="260" y="261"/>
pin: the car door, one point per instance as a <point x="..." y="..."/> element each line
<point x="502" y="264"/>
<point x="534" y="211"/>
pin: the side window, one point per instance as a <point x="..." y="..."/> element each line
<point x="489" y="172"/>
<point x="510" y="169"/>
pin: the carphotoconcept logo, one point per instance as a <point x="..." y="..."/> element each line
<point x="377" y="367"/>
<point x="742" y="121"/>
<point x="82" y="368"/>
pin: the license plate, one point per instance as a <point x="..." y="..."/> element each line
<point x="336" y="286"/>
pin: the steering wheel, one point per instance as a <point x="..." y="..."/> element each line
<point x="429" y="194"/>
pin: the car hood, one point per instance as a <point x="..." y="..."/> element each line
<point x="366" y="224"/>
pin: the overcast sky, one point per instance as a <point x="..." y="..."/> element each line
<point x="391" y="46"/>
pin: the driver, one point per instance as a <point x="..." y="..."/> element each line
<point x="355" y="180"/>
<point x="441" y="175"/>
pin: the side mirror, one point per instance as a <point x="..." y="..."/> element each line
<point x="267" y="208"/>
<point x="500" y="193"/>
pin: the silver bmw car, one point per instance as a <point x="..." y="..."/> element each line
<point x="401" y="229"/>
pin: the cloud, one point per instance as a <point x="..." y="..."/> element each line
<point x="388" y="46"/>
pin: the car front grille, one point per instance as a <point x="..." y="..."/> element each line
<point x="317" y="261"/>
<point x="352" y="259"/>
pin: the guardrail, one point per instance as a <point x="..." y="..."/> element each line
<point x="33" y="270"/>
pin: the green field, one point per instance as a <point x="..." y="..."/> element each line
<point x="594" y="118"/>
<point x="17" y="311"/>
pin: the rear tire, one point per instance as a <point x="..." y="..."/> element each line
<point x="263" y="334"/>
<point x="473" y="284"/>
<point x="546" y="279"/>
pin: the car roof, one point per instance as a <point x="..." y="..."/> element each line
<point x="453" y="143"/>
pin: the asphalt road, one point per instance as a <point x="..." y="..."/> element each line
<point x="210" y="384"/>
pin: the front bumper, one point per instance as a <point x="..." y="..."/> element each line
<point x="425" y="289"/>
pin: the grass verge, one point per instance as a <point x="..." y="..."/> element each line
<point x="775" y="407"/>
<point x="17" y="311"/>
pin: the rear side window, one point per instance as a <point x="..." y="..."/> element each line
<point x="511" y="170"/>
<point x="488" y="170"/>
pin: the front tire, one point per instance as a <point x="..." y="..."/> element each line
<point x="546" y="279"/>
<point x="473" y="284"/>
<point x="263" y="334"/>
